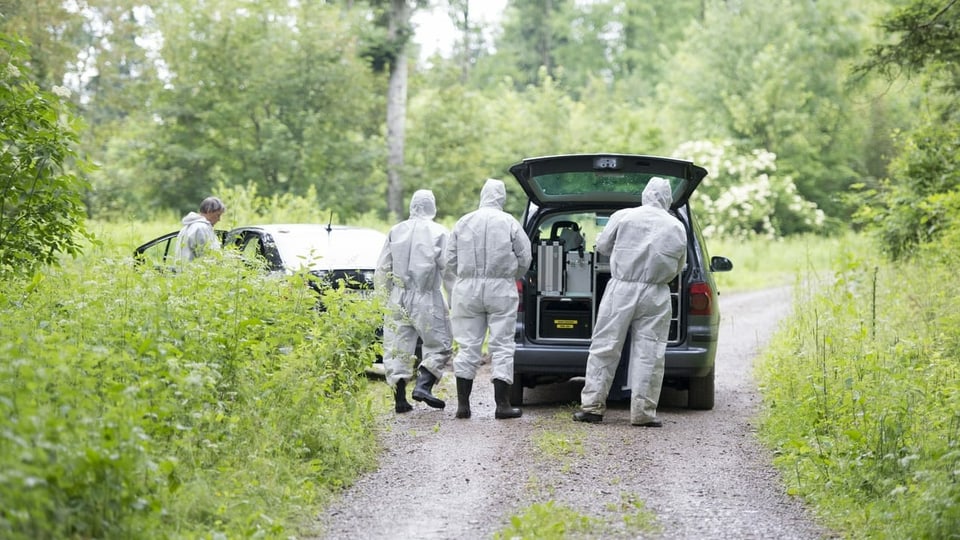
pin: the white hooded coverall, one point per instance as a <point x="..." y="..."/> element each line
<point x="195" y="237"/>
<point x="647" y="248"/>
<point x="488" y="251"/>
<point x="410" y="272"/>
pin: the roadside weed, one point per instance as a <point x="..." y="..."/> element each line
<point x="556" y="438"/>
<point x="548" y="521"/>
<point x="636" y="517"/>
<point x="539" y="487"/>
<point x="861" y="391"/>
<point x="551" y="521"/>
<point x="211" y="401"/>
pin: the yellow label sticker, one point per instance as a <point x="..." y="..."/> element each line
<point x="565" y="323"/>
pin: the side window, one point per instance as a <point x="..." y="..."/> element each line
<point x="576" y="230"/>
<point x="159" y="256"/>
<point x="251" y="250"/>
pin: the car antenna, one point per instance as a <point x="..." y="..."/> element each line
<point x="330" y="223"/>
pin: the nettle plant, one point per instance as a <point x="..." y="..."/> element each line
<point x="744" y="197"/>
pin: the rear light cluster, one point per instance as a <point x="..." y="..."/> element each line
<point x="701" y="299"/>
<point x="520" y="294"/>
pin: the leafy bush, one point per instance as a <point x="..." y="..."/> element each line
<point x="212" y="401"/>
<point x="922" y="198"/>
<point x="861" y="390"/>
<point x="41" y="212"/>
<point x="744" y="196"/>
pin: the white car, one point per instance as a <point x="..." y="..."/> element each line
<point x="339" y="255"/>
<point x="335" y="255"/>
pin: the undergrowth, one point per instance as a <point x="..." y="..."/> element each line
<point x="212" y="402"/>
<point x="862" y="399"/>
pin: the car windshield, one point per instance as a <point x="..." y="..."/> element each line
<point x="593" y="185"/>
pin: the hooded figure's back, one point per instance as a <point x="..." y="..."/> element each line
<point x="646" y="244"/>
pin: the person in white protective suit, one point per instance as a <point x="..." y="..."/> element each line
<point x="647" y="248"/>
<point x="197" y="235"/>
<point x="410" y="272"/>
<point x="487" y="252"/>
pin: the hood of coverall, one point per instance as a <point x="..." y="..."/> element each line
<point x="194" y="217"/>
<point x="423" y="204"/>
<point x="657" y="194"/>
<point x="493" y="194"/>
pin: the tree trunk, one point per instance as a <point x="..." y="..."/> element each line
<point x="397" y="107"/>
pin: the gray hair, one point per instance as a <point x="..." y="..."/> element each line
<point x="211" y="205"/>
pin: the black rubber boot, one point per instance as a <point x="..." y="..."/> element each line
<point x="400" y="397"/>
<point x="464" y="387"/>
<point x="588" y="417"/>
<point x="501" y="395"/>
<point x="423" y="391"/>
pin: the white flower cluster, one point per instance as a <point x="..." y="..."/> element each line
<point x="61" y="91"/>
<point x="743" y="197"/>
<point x="13" y="71"/>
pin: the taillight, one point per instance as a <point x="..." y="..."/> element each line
<point x="701" y="299"/>
<point x="520" y="294"/>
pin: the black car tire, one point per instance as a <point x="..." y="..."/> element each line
<point x="700" y="392"/>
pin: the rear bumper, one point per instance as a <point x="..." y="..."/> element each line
<point x="556" y="361"/>
<point x="545" y="360"/>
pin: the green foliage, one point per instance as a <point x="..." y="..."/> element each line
<point x="271" y="93"/>
<point x="547" y="521"/>
<point x="636" y="517"/>
<point x="772" y="75"/>
<point x="247" y="206"/>
<point x="554" y="438"/>
<point x="920" y="202"/>
<point x="50" y="30"/>
<point x="916" y="205"/>
<point x="214" y="401"/>
<point x="550" y="521"/>
<point x="184" y="95"/>
<point x="744" y="196"/>
<point x="533" y="33"/>
<point x="41" y="213"/>
<point x="447" y="148"/>
<point x="451" y="130"/>
<point x="861" y="393"/>
<point x="623" y="43"/>
<point x="925" y="38"/>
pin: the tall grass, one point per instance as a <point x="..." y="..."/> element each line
<point x="215" y="401"/>
<point x="762" y="263"/>
<point x="862" y="399"/>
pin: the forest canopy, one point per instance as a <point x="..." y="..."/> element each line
<point x="181" y="96"/>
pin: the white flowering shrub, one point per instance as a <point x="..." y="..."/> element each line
<point x="743" y="196"/>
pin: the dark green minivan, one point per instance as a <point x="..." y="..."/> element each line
<point x="569" y="199"/>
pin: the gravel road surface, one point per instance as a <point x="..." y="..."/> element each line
<point x="703" y="474"/>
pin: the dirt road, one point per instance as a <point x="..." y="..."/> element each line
<point x="703" y="474"/>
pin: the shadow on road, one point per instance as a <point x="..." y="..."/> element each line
<point x="568" y="394"/>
